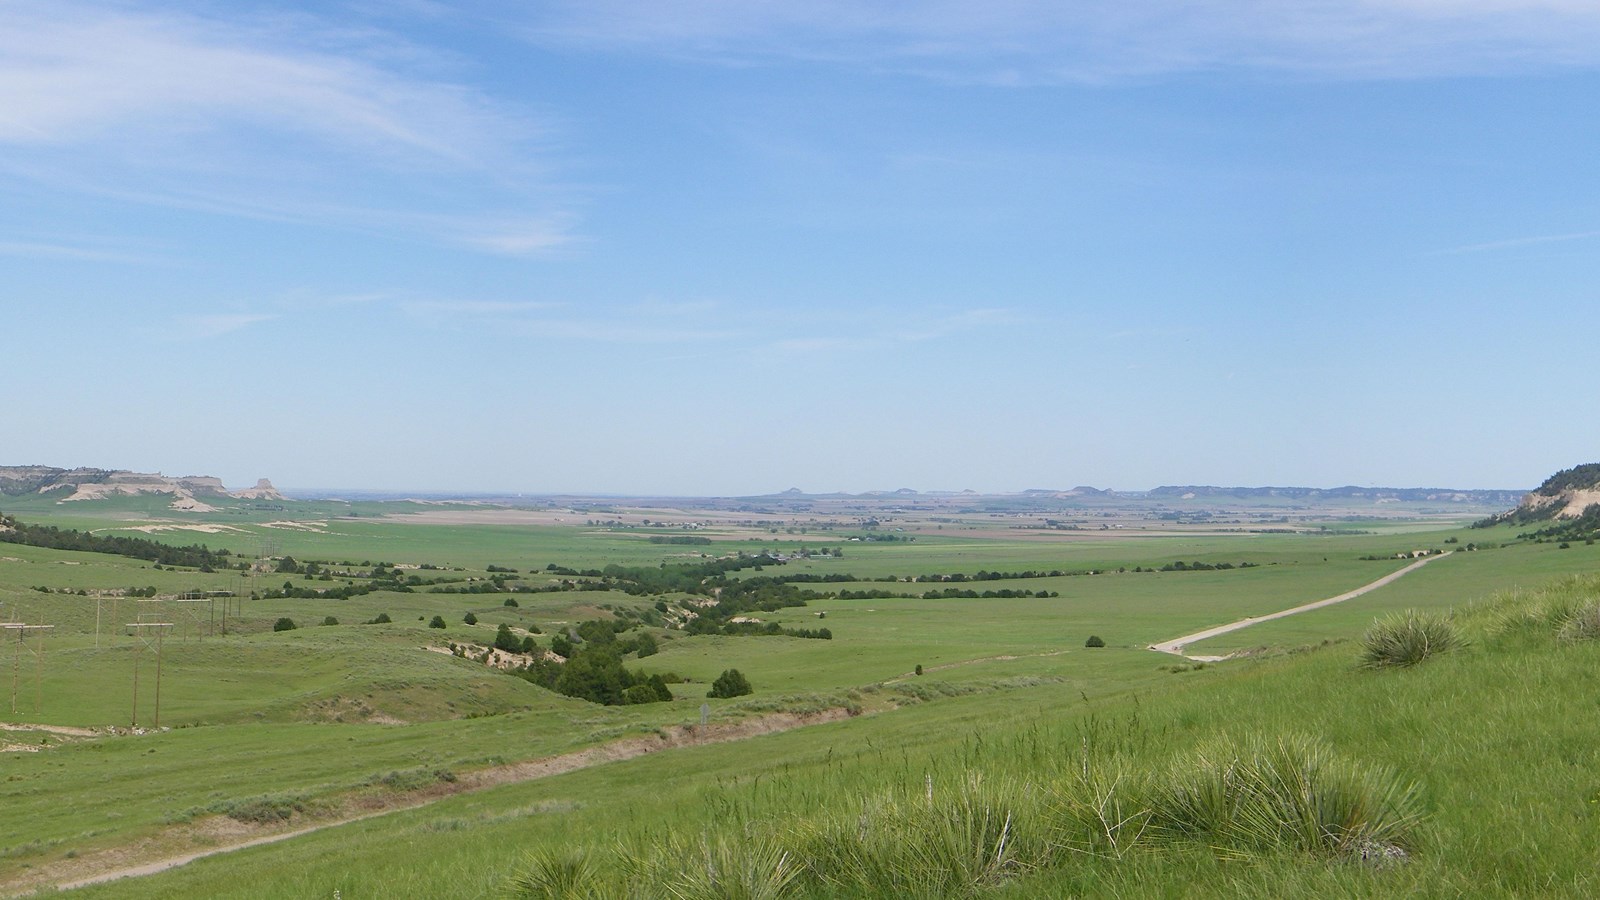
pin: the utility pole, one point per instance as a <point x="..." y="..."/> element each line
<point x="143" y="632"/>
<point x="16" y="663"/>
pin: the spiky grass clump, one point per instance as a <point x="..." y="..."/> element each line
<point x="1292" y="794"/>
<point x="746" y="866"/>
<point x="1568" y="607"/>
<point x="1408" y="638"/>
<point x="1256" y="798"/>
<point x="1101" y="809"/>
<point x="1581" y="624"/>
<point x="552" y="874"/>
<point x="726" y="866"/>
<point x="949" y="842"/>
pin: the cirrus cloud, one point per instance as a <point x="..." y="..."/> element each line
<point x="287" y="118"/>
<point x="1042" y="41"/>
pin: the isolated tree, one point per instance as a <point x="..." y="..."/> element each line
<point x="595" y="675"/>
<point x="470" y="619"/>
<point x="647" y="645"/>
<point x="330" y="620"/>
<point x="1094" y="641"/>
<point x="438" y="622"/>
<point x="511" y="601"/>
<point x="731" y="683"/>
<point x="284" y="624"/>
<point x="560" y="646"/>
<point x="505" y="640"/>
<point x="381" y="619"/>
<point x="650" y="690"/>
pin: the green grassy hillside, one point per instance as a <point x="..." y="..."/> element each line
<point x="1496" y="742"/>
<point x="266" y="731"/>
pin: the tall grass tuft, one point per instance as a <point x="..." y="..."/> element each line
<point x="1291" y="794"/>
<point x="749" y="866"/>
<point x="1408" y="638"/>
<point x="1568" y="607"/>
<point x="948" y="842"/>
<point x="553" y="874"/>
<point x="1100" y="809"/>
<point x="966" y="834"/>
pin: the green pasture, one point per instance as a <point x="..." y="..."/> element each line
<point x="1458" y="581"/>
<point x="325" y="711"/>
<point x="1105" y="552"/>
<point x="1498" y="738"/>
<point x="109" y="791"/>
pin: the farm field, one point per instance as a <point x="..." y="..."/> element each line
<point x="265" y="730"/>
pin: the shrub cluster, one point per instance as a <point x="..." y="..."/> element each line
<point x="731" y="683"/>
<point x="595" y="673"/>
<point x="198" y="556"/>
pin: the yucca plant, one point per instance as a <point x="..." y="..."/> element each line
<point x="950" y="842"/>
<point x="1293" y="794"/>
<point x="1581" y="623"/>
<point x="753" y="867"/>
<point x="1100" y="808"/>
<point x="552" y="874"/>
<point x="1408" y="638"/>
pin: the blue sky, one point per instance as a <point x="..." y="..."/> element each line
<point x="719" y="247"/>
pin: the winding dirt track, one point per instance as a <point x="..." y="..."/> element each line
<point x="110" y="866"/>
<point x="1176" y="645"/>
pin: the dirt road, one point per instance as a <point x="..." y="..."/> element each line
<point x="1176" y="645"/>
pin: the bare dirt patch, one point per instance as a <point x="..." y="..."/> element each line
<point x="314" y="527"/>
<point x="203" y="528"/>
<point x="63" y="730"/>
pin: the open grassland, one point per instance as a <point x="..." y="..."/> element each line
<point x="1497" y="740"/>
<point x="1462" y="579"/>
<point x="275" y="729"/>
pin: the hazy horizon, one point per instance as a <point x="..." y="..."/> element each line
<point x="234" y="484"/>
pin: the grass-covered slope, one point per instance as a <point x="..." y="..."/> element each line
<point x="1470" y="774"/>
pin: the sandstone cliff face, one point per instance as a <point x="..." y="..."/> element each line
<point x="189" y="492"/>
<point x="1564" y="495"/>
<point x="1568" y="504"/>
<point x="262" y="491"/>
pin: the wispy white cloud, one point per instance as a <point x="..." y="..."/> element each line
<point x="285" y="117"/>
<point x="640" y="324"/>
<point x="871" y="331"/>
<point x="673" y="308"/>
<point x="1513" y="243"/>
<point x="805" y="346"/>
<point x="525" y="238"/>
<point x="621" y="332"/>
<point x="474" y="308"/>
<point x="87" y="71"/>
<point x="1046" y="41"/>
<point x="74" y="252"/>
<point x="957" y="323"/>
<point x="206" y="327"/>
